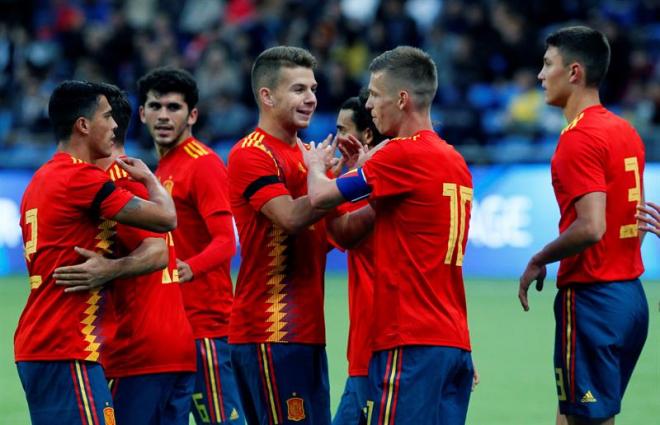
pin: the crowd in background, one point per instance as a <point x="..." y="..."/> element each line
<point x="488" y="53"/>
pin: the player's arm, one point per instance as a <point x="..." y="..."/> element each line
<point x="221" y="248"/>
<point x="96" y="270"/>
<point x="587" y="229"/>
<point x="158" y="213"/>
<point x="290" y="214"/>
<point x="349" y="229"/>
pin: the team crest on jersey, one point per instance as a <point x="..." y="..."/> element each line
<point x="109" y="416"/>
<point x="168" y="185"/>
<point x="295" y="407"/>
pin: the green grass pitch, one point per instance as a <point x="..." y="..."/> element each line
<point x="512" y="351"/>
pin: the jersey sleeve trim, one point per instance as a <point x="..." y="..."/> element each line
<point x="258" y="184"/>
<point x="103" y="193"/>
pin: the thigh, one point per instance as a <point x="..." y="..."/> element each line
<point x="176" y="407"/>
<point x="419" y="384"/>
<point x="75" y="392"/>
<point x="353" y="402"/>
<point x="283" y="383"/>
<point x="600" y="331"/>
<point x="215" y="399"/>
<point x="138" y="399"/>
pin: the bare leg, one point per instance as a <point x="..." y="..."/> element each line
<point x="561" y="419"/>
<point x="576" y="420"/>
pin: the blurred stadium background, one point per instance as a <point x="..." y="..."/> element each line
<point x="489" y="105"/>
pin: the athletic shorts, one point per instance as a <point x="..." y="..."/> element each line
<point x="419" y="385"/>
<point x="215" y="399"/>
<point x="153" y="399"/>
<point x="283" y="383"/>
<point x="600" y="330"/>
<point x="353" y="404"/>
<point x="74" y="392"/>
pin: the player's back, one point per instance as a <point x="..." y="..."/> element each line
<point x="59" y="211"/>
<point x="152" y="332"/>
<point x="601" y="152"/>
<point x="422" y="193"/>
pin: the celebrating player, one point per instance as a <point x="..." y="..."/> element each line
<point x="601" y="311"/>
<point x="277" y="328"/>
<point x="59" y="336"/>
<point x="421" y="190"/>
<point x="354" y="119"/>
<point x="204" y="240"/>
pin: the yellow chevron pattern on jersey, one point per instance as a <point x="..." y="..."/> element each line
<point x="573" y="123"/>
<point x="195" y="149"/>
<point x="277" y="318"/>
<point x="88" y="329"/>
<point x="255" y="140"/>
<point x="104" y="244"/>
<point x="117" y="173"/>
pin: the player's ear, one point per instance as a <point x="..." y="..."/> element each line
<point x="368" y="136"/>
<point x="192" y="116"/>
<point x="266" y="97"/>
<point x="404" y="98"/>
<point x="143" y="118"/>
<point x="576" y="72"/>
<point x="81" y="125"/>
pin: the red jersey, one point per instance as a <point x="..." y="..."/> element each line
<point x="61" y="209"/>
<point x="422" y="194"/>
<point x="601" y="152"/>
<point x="196" y="178"/>
<point x="152" y="332"/>
<point x="279" y="292"/>
<point x="360" y="299"/>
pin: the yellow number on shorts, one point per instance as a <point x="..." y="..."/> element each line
<point x="201" y="409"/>
<point x="561" y="391"/>
<point x="370" y="410"/>
<point x="456" y="223"/>
<point x="634" y="195"/>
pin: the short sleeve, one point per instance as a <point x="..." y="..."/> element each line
<point x="210" y="189"/>
<point x="388" y="173"/>
<point x="129" y="236"/>
<point x="90" y="188"/>
<point x="254" y="174"/>
<point x="580" y="165"/>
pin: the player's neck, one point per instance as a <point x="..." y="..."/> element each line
<point x="76" y="148"/>
<point x="288" y="135"/>
<point x="580" y="100"/>
<point x="162" y="150"/>
<point x="105" y="163"/>
<point x="414" y="123"/>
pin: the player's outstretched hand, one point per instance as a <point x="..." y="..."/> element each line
<point x="184" y="270"/>
<point x="135" y="168"/>
<point x="322" y="154"/>
<point x="91" y="274"/>
<point x="475" y="378"/>
<point x="533" y="272"/>
<point x="650" y="222"/>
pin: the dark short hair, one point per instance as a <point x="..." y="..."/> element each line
<point x="169" y="80"/>
<point x="121" y="111"/>
<point x="266" y="68"/>
<point x="585" y="45"/>
<point x="361" y="116"/>
<point x="71" y="100"/>
<point x="410" y="68"/>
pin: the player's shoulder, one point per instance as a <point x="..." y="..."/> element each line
<point x="250" y="146"/>
<point x="197" y="151"/>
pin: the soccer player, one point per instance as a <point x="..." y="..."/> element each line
<point x="652" y="220"/>
<point x="149" y="358"/>
<point x="277" y="328"/>
<point x="204" y="240"/>
<point x="354" y="119"/>
<point x="59" y="336"/>
<point x="421" y="190"/>
<point x="601" y="311"/>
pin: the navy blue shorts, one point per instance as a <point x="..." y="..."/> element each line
<point x="600" y="330"/>
<point x="153" y="399"/>
<point x="75" y="392"/>
<point x="353" y="404"/>
<point x="215" y="399"/>
<point x="419" y="385"/>
<point x="283" y="383"/>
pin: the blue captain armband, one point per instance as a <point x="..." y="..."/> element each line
<point x="353" y="186"/>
